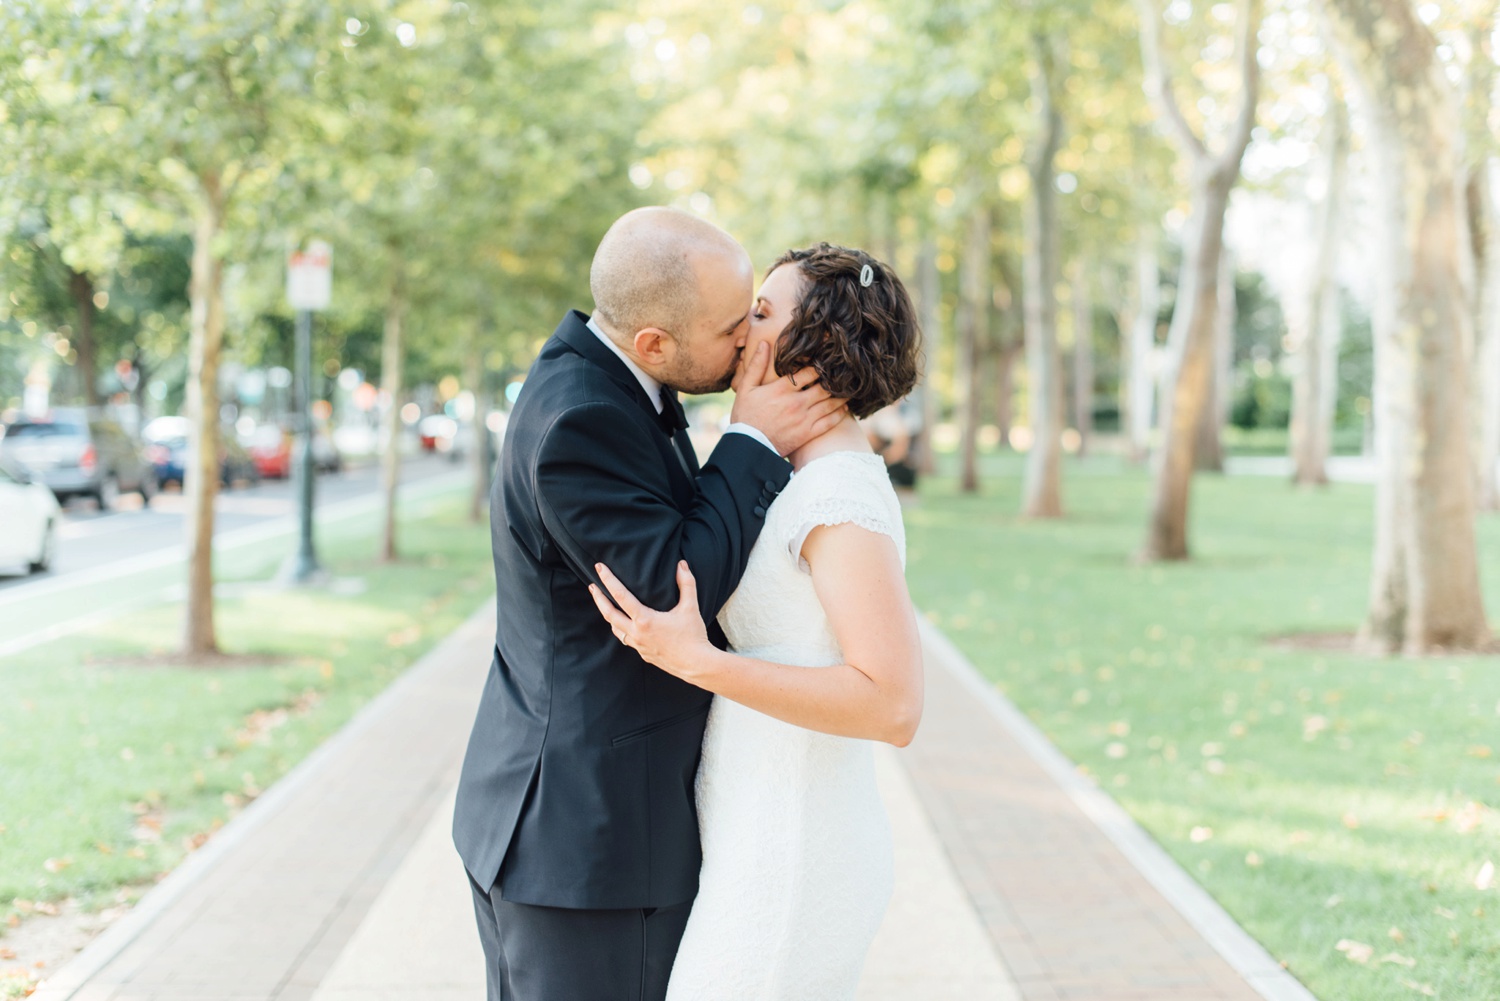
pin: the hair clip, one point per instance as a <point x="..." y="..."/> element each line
<point x="866" y="276"/>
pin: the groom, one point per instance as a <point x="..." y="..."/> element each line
<point x="575" y="816"/>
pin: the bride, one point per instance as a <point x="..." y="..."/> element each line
<point x="825" y="657"/>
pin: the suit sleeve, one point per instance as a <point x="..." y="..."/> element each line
<point x="605" y="496"/>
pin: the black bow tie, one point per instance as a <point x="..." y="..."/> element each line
<point x="672" y="417"/>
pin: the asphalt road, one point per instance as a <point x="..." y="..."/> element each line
<point x="89" y="539"/>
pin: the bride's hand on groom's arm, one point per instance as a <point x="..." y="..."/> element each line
<point x="675" y="640"/>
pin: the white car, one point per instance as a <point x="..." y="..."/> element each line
<point x="29" y="514"/>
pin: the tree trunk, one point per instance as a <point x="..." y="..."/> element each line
<point x="1485" y="219"/>
<point x="972" y="333"/>
<point x="1192" y="335"/>
<point x="391" y="388"/>
<point x="1208" y="450"/>
<point x="1083" y="355"/>
<point x="1316" y="326"/>
<point x="1041" y="488"/>
<point x="1191" y="343"/>
<point x="82" y="289"/>
<point x="1005" y="389"/>
<point x="201" y="486"/>
<point x="1141" y="377"/>
<point x="929" y="307"/>
<point x="1482" y="173"/>
<point x="1425" y="592"/>
<point x="479" y="492"/>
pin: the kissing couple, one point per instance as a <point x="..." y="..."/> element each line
<point x="669" y="791"/>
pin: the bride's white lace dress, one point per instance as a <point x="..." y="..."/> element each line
<point x="796" y="846"/>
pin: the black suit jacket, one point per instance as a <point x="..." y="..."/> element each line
<point x="577" y="788"/>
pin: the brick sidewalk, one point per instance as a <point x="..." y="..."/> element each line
<point x="1072" y="915"/>
<point x="266" y="907"/>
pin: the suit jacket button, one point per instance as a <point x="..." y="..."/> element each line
<point x="760" y="512"/>
<point x="770" y="486"/>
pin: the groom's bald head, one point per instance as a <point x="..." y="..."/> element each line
<point x="663" y="268"/>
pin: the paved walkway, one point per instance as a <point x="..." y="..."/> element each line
<point x="340" y="883"/>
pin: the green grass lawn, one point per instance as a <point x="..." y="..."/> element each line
<point x="112" y="769"/>
<point x="1319" y="796"/>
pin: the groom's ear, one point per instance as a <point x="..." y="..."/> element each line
<point x="654" y="345"/>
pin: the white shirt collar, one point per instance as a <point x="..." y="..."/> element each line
<point x="650" y="385"/>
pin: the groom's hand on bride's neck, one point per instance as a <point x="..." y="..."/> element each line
<point x="790" y="411"/>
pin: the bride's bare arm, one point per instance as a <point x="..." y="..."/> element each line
<point x="876" y="695"/>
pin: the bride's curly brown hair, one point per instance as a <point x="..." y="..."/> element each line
<point x="864" y="341"/>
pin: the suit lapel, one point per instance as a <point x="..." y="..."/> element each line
<point x="676" y="451"/>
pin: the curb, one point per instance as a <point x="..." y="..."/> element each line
<point x="95" y="956"/>
<point x="1237" y="947"/>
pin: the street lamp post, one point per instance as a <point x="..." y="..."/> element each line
<point x="308" y="286"/>
<point x="305" y="563"/>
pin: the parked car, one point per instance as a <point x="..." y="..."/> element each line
<point x="167" y="447"/>
<point x="326" y="455"/>
<point x="270" y="448"/>
<point x="80" y="453"/>
<point x="434" y="429"/>
<point x="29" y="514"/>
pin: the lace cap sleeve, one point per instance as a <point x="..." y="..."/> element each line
<point x="841" y="497"/>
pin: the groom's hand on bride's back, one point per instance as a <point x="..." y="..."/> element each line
<point x="790" y="411"/>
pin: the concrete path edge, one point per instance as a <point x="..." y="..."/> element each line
<point x="67" y="981"/>
<point x="1239" y="949"/>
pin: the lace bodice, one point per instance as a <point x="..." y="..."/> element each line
<point x="775" y="612"/>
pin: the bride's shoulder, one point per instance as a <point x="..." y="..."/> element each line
<point x="837" y="488"/>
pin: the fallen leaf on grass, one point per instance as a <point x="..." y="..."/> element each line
<point x="1397" y="935"/>
<point x="1423" y="989"/>
<point x="1351" y="821"/>
<point x="1355" y="952"/>
<point x="404" y="637"/>
<point x="1470" y="817"/>
<point x="1443" y="912"/>
<point x="1119" y="728"/>
<point x="56" y="865"/>
<point x="1253" y="860"/>
<point x="1486" y="877"/>
<point x="1314" y="725"/>
<point x="1398" y="959"/>
<point x="1198" y="835"/>
<point x="1479" y="751"/>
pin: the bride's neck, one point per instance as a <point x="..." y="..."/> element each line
<point x="845" y="436"/>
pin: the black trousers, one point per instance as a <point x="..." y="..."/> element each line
<point x="536" y="953"/>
